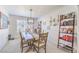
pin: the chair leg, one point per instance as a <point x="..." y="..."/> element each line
<point x="21" y="49"/>
<point x="58" y="46"/>
<point x="38" y="50"/>
<point x="33" y="48"/>
<point x="45" y="49"/>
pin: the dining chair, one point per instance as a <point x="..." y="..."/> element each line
<point x="41" y="42"/>
<point x="23" y="43"/>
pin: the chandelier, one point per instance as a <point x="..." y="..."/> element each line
<point x="30" y="18"/>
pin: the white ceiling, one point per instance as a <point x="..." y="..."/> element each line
<point x="37" y="10"/>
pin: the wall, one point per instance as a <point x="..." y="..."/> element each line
<point x="13" y="25"/>
<point x="78" y="29"/>
<point x="3" y="38"/>
<point x="54" y="30"/>
<point x="3" y="32"/>
<point x="4" y="10"/>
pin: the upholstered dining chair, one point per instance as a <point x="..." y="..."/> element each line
<point x="41" y="42"/>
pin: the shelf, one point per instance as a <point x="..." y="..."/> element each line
<point x="67" y="22"/>
<point x="66" y="19"/>
<point x="61" y="34"/>
<point x="66" y="47"/>
<point x="65" y="40"/>
<point x="67" y="33"/>
<point x="66" y="27"/>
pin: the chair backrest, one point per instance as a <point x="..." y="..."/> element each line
<point x="21" y="38"/>
<point x="43" y="37"/>
<point x="21" y="35"/>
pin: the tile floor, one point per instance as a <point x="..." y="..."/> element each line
<point x="13" y="46"/>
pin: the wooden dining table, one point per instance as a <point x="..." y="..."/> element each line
<point x="31" y="39"/>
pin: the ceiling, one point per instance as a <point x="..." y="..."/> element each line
<point x="37" y="10"/>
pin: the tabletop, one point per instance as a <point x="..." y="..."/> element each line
<point x="29" y="36"/>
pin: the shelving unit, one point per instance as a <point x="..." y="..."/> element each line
<point x="66" y="31"/>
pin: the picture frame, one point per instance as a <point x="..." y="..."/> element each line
<point x="4" y="22"/>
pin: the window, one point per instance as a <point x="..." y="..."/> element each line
<point x="21" y="25"/>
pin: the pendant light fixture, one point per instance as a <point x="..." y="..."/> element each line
<point x="30" y="18"/>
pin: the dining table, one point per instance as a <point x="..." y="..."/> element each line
<point x="30" y="37"/>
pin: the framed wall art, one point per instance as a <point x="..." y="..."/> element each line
<point x="3" y="21"/>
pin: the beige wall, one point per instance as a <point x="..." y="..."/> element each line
<point x="13" y="24"/>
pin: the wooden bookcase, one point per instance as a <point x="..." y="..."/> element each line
<point x="66" y="31"/>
